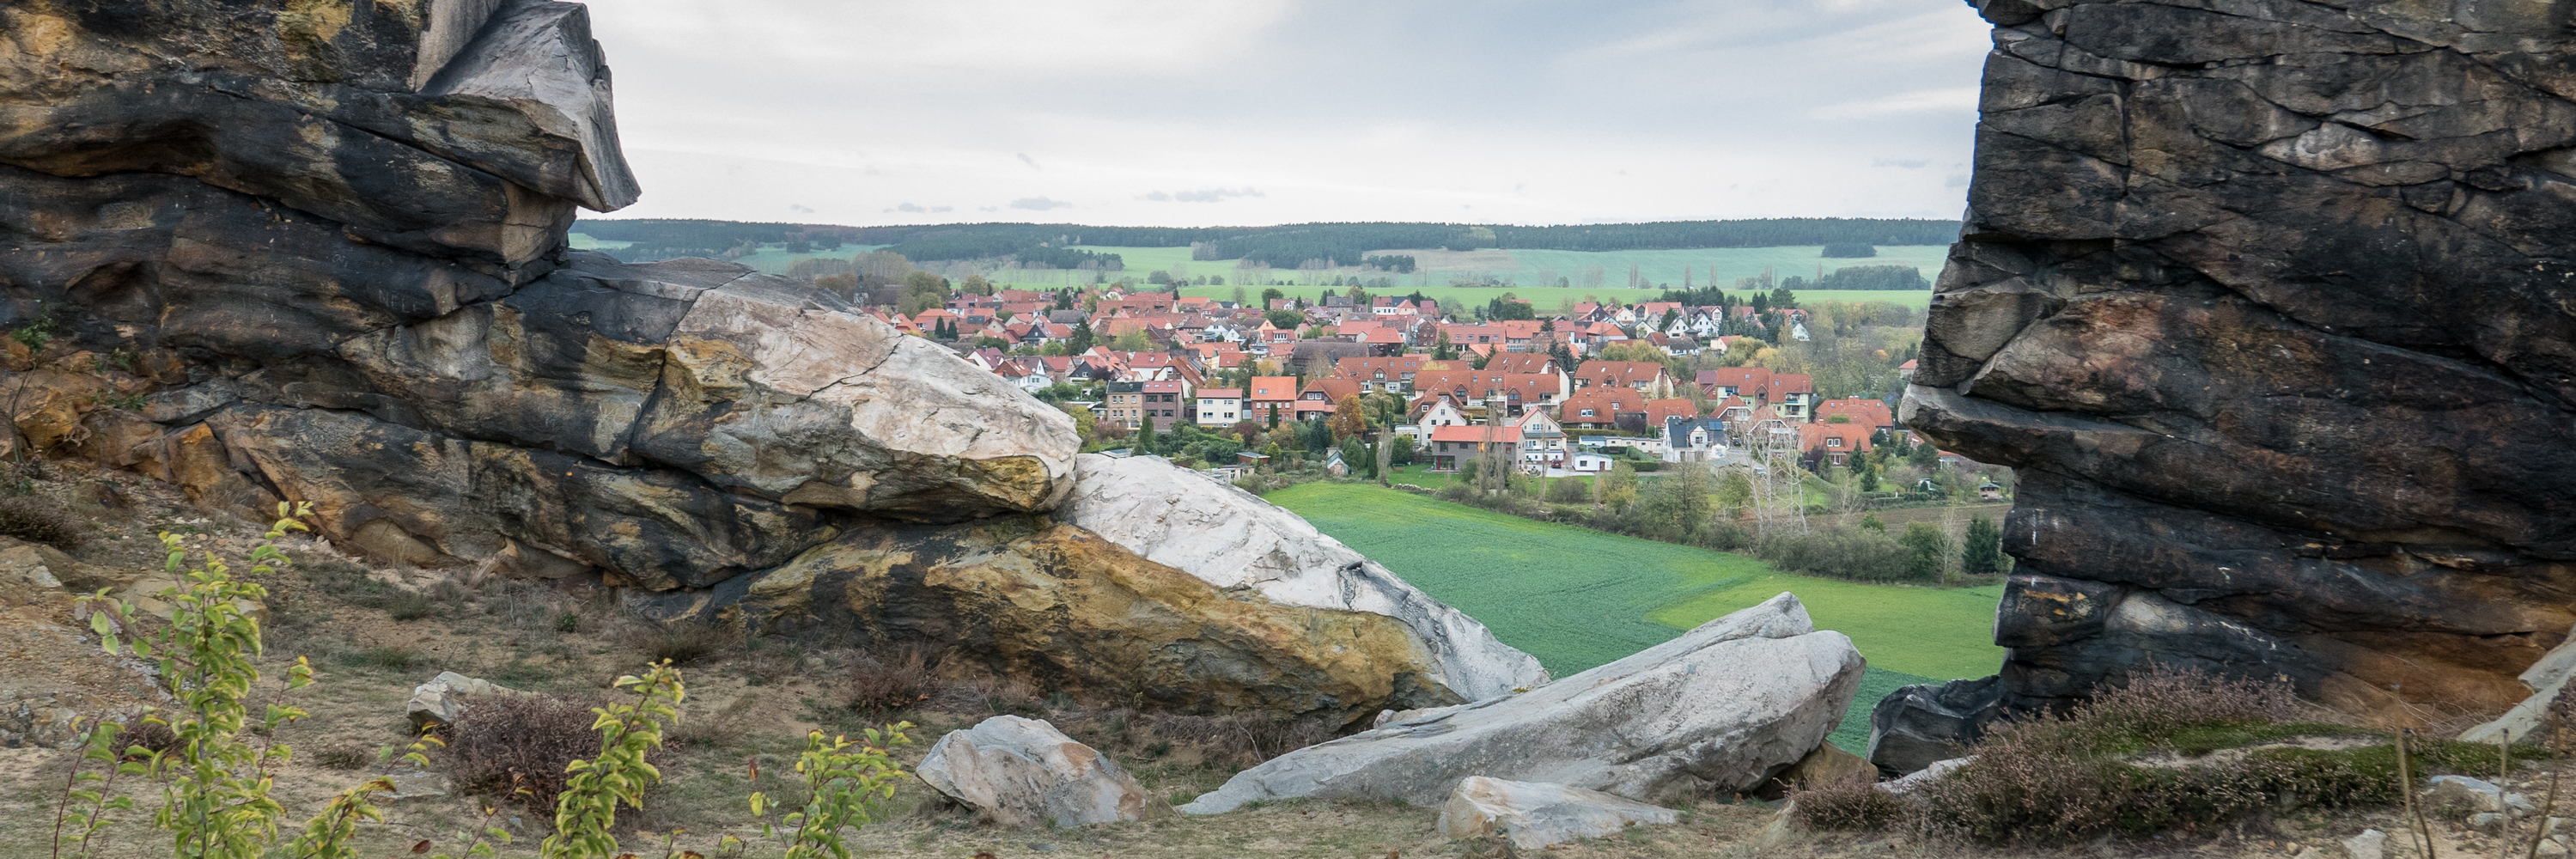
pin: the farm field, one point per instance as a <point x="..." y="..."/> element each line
<point x="1577" y="598"/>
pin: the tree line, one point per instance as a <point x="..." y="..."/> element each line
<point x="1281" y="246"/>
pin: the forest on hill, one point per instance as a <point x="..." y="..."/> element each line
<point x="1282" y="246"/>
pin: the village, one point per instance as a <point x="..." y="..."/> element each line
<point x="1569" y="394"/>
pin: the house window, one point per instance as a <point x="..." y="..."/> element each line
<point x="1833" y="442"/>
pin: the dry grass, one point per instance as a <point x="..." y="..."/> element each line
<point x="892" y="679"/>
<point x="526" y="739"/>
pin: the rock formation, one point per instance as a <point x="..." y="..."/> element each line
<point x="1537" y="815"/>
<point x="1024" y="772"/>
<point x="271" y="250"/>
<point x="1233" y="539"/>
<point x="1721" y="708"/>
<point x="2270" y="303"/>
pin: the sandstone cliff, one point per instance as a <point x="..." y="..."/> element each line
<point x="2271" y="303"/>
<point x="315" y="252"/>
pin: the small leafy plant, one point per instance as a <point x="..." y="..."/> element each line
<point x="840" y="777"/>
<point x="587" y="811"/>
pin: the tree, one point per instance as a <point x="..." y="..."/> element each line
<point x="1925" y="545"/>
<point x="1983" y="552"/>
<point x="1619" y="487"/>
<point x="1348" y="418"/>
<point x="1676" y="507"/>
<point x="1144" y="442"/>
<point x="1133" y="341"/>
<point x="1735" y="491"/>
<point x="1239" y="297"/>
<point x="1440" y="348"/>
<point x="1287" y="320"/>
<point x="1080" y="340"/>
<point x="975" y="284"/>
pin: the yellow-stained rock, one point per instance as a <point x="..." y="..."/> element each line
<point x="1076" y="612"/>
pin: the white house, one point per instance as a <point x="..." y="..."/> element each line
<point x="1587" y="462"/>
<point x="1221" y="407"/>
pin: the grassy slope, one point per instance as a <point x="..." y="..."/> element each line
<point x="1577" y="598"/>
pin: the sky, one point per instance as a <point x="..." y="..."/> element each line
<point x="1250" y="112"/>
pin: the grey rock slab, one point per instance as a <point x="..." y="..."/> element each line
<point x="1719" y="708"/>
<point x="446" y="697"/>
<point x="1023" y="772"/>
<point x="1231" y="538"/>
<point x="1537" y="815"/>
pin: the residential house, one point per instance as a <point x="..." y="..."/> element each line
<point x="1321" y="396"/>
<point x="1026" y="373"/>
<point x="1792" y="395"/>
<point x="1515" y="394"/>
<point x="1272" y="398"/>
<point x="1861" y="410"/>
<point x="1542" y="439"/>
<point x="1644" y="377"/>
<point x="1432" y="411"/>
<point x="1602" y="408"/>
<point x="1522" y="363"/>
<point x="1454" y="446"/>
<point x="1658" y="411"/>
<point x="1833" y="444"/>
<point x="1694" y="439"/>
<point x="1391" y="374"/>
<point x="1221" y="407"/>
<point x="1131" y="404"/>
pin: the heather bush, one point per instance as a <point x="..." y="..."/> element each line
<point x="37" y="521"/>
<point x="521" y="741"/>
<point x="893" y="679"/>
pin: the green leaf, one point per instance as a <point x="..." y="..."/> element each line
<point x="99" y="623"/>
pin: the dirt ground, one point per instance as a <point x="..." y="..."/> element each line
<point x="373" y="634"/>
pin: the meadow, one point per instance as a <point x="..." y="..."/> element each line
<point x="1577" y="598"/>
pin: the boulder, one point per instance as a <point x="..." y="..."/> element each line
<point x="1917" y="725"/>
<point x="1023" y="772"/>
<point x="1922" y="778"/>
<point x="1537" y="815"/>
<point x="446" y="697"/>
<point x="1022" y="597"/>
<point x="2370" y="844"/>
<point x="2322" y="246"/>
<point x="1232" y="538"/>
<point x="1720" y="708"/>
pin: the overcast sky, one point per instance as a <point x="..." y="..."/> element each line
<point x="1280" y="111"/>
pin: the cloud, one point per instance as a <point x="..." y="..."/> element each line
<point x="1907" y="163"/>
<point x="1956" y="180"/>
<point x="1025" y="159"/>
<point x="1038" y="204"/>
<point x="800" y="208"/>
<point x="985" y="208"/>
<point x="1211" y="195"/>
<point x="917" y="209"/>
<point x="1918" y="101"/>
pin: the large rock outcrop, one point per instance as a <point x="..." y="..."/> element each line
<point x="2270" y="302"/>
<point x="1721" y="708"/>
<point x="316" y="252"/>
<point x="1233" y="539"/>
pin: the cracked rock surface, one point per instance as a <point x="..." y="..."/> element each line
<point x="2270" y="301"/>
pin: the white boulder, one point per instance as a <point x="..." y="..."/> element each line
<point x="1231" y="538"/>
<point x="444" y="699"/>
<point x="2370" y="844"/>
<point x="1023" y="772"/>
<point x="1721" y="707"/>
<point x="1536" y="815"/>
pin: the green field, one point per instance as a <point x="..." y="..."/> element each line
<point x="1660" y="267"/>
<point x="1576" y="598"/>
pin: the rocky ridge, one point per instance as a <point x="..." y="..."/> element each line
<point x="2268" y="301"/>
<point x="278" y="251"/>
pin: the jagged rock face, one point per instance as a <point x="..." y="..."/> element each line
<point x="1232" y="539"/>
<point x="2270" y="302"/>
<point x="315" y="252"/>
